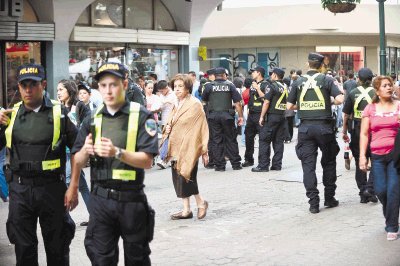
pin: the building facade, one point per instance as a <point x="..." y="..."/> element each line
<point x="284" y="35"/>
<point x="72" y="38"/>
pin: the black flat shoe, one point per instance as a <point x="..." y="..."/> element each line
<point x="331" y="203"/>
<point x="247" y="164"/>
<point x="314" y="209"/>
<point x="179" y="216"/>
<point x="258" y="169"/>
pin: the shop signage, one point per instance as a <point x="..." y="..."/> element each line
<point x="11" y="10"/>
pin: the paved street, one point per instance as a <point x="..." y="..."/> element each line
<point x="253" y="219"/>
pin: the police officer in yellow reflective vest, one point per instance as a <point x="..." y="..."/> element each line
<point x="273" y="129"/>
<point x="311" y="95"/>
<point x="120" y="138"/>
<point x="36" y="135"/>
<point x="256" y="97"/>
<point x="355" y="103"/>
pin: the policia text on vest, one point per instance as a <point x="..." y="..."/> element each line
<point x="121" y="140"/>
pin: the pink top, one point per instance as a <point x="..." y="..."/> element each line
<point x="383" y="128"/>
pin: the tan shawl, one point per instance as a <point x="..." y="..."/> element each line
<point x="188" y="137"/>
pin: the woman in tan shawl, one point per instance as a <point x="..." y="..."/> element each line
<point x="187" y="133"/>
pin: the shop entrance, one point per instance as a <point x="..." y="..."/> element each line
<point x="14" y="54"/>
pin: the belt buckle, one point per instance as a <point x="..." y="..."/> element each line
<point x="111" y="193"/>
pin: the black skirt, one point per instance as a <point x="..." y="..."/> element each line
<point x="185" y="188"/>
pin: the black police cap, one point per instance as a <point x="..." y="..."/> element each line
<point x="115" y="69"/>
<point x="279" y="71"/>
<point x="315" y="57"/>
<point x="365" y="74"/>
<point x="259" y="69"/>
<point x="211" y="71"/>
<point x="30" y="71"/>
<point x="84" y="86"/>
<point x="220" y="70"/>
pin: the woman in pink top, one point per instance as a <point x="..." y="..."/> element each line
<point x="379" y="126"/>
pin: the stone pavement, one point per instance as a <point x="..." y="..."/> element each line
<point x="253" y="219"/>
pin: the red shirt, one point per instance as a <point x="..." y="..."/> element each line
<point x="246" y="96"/>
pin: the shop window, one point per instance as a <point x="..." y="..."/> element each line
<point x="84" y="18"/>
<point x="162" y="18"/>
<point x="342" y="59"/>
<point x="139" y="14"/>
<point x="19" y="53"/>
<point x="108" y="13"/>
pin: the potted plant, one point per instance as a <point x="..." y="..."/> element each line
<point x="340" y="6"/>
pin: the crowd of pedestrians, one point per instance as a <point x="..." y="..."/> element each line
<point x="121" y="134"/>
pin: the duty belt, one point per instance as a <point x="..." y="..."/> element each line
<point x="316" y="122"/>
<point x="126" y="196"/>
<point x="37" y="180"/>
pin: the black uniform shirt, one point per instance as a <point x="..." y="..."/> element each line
<point x="28" y="138"/>
<point x="329" y="85"/>
<point x="348" y="107"/>
<point x="236" y="97"/>
<point x="146" y="141"/>
<point x="254" y="94"/>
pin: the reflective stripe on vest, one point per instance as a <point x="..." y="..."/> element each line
<point x="364" y="95"/>
<point x="311" y="83"/>
<point x="46" y="165"/>
<point x="255" y="103"/>
<point x="279" y="105"/>
<point x="133" y="124"/>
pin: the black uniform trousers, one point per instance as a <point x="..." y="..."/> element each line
<point x="273" y="131"/>
<point x="223" y="140"/>
<point x="361" y="176"/>
<point x="111" y="219"/>
<point x="251" y="130"/>
<point x="289" y="128"/>
<point x="312" y="135"/>
<point x="30" y="201"/>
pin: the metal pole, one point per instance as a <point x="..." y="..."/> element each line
<point x="382" y="39"/>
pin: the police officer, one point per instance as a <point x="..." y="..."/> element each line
<point x="219" y="95"/>
<point x="311" y="94"/>
<point x="211" y="78"/>
<point x="273" y="130"/>
<point x="256" y="97"/>
<point x="134" y="92"/>
<point x="357" y="99"/>
<point x="120" y="138"/>
<point x="37" y="135"/>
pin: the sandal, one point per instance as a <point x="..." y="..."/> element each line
<point x="391" y="236"/>
<point x="202" y="211"/>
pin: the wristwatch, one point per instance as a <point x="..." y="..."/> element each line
<point x="118" y="153"/>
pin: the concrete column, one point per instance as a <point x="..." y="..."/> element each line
<point x="57" y="56"/>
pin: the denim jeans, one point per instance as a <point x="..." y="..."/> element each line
<point x="387" y="188"/>
<point x="83" y="187"/>
<point x="3" y="183"/>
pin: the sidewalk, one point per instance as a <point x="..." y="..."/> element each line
<point x="253" y="219"/>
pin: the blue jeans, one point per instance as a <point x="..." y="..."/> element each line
<point x="387" y="188"/>
<point x="3" y="183"/>
<point x="83" y="187"/>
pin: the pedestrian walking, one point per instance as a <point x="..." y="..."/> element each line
<point x="120" y="139"/>
<point x="219" y="96"/>
<point x="256" y="99"/>
<point x="311" y="94"/>
<point x="36" y="135"/>
<point x="379" y="126"/>
<point x="272" y="123"/>
<point x="187" y="137"/>
<point x="355" y="103"/>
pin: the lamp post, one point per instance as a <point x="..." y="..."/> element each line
<point x="382" y="39"/>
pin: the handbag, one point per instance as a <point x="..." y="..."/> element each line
<point x="164" y="149"/>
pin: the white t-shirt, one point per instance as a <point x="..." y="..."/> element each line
<point x="167" y="104"/>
